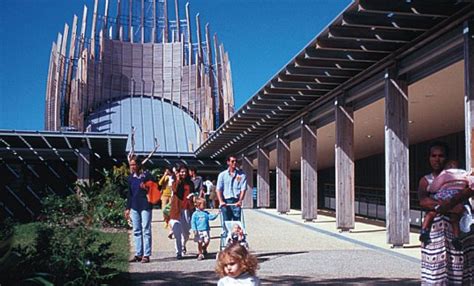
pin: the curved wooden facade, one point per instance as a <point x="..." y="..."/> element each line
<point x="139" y="52"/>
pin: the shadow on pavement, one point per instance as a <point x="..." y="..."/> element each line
<point x="265" y="256"/>
<point x="211" y="278"/>
<point x="173" y="278"/>
<point x="305" y="280"/>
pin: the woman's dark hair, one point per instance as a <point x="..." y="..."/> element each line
<point x="180" y="186"/>
<point x="439" y="144"/>
<point x="138" y="160"/>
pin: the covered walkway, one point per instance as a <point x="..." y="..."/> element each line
<point x="290" y="252"/>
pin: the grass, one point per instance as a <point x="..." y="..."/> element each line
<point x="25" y="235"/>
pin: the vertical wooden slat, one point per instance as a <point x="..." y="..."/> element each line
<point x="199" y="40"/>
<point x="119" y="31"/>
<point x="230" y="90"/>
<point x="396" y="159"/>
<point x="106" y="15"/>
<point x="176" y="11"/>
<point x="72" y="46"/>
<point x="223" y="83"/>
<point x="165" y="16"/>
<point x="345" y="197"/>
<point x="83" y="165"/>
<point x="309" y="174"/>
<point x="94" y="23"/>
<point x="263" y="178"/>
<point x="83" y="29"/>
<point x="211" y="102"/>
<point x="469" y="91"/>
<point x="142" y="20"/>
<point x="247" y="167"/>
<point x="283" y="175"/>
<point x="153" y="26"/>
<point x="60" y="77"/>
<point x="190" y="45"/>
<point x="50" y="88"/>
<point x="130" y="16"/>
<point x="218" y="108"/>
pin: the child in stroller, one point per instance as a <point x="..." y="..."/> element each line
<point x="236" y="235"/>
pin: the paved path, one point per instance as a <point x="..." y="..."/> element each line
<point x="290" y="252"/>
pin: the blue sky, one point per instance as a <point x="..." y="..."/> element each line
<point x="261" y="36"/>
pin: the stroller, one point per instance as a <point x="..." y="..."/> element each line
<point x="235" y="232"/>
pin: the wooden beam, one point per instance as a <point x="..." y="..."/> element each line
<point x="199" y="40"/>
<point x="119" y="31"/>
<point x="309" y="173"/>
<point x="165" y="32"/>
<point x="94" y="23"/>
<point x="345" y="190"/>
<point x="190" y="41"/>
<point x="263" y="178"/>
<point x="142" y="21"/>
<point x="130" y="16"/>
<point x="283" y="183"/>
<point x="83" y="165"/>
<point x="396" y="159"/>
<point x="153" y="26"/>
<point x="247" y="167"/>
<point x="469" y="90"/>
<point x="83" y="29"/>
<point x="176" y="11"/>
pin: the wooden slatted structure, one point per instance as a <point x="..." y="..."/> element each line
<point x="125" y="57"/>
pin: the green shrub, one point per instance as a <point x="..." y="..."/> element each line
<point x="61" y="210"/>
<point x="69" y="256"/>
<point x="109" y="211"/>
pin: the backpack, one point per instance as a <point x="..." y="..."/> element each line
<point x="153" y="193"/>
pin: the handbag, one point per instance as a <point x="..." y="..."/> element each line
<point x="153" y="193"/>
<point x="466" y="220"/>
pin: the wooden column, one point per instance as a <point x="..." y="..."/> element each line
<point x="283" y="175"/>
<point x="345" y="197"/>
<point x="469" y="90"/>
<point x="83" y="165"/>
<point x="397" y="185"/>
<point x="247" y="167"/>
<point x="309" y="174"/>
<point x="263" y="178"/>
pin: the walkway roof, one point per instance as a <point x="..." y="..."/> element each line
<point x="107" y="149"/>
<point x="365" y="38"/>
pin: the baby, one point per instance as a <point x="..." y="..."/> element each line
<point x="444" y="187"/>
<point x="237" y="235"/>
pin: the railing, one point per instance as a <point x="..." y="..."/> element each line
<point x="369" y="203"/>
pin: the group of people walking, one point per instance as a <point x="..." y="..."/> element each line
<point x="184" y="199"/>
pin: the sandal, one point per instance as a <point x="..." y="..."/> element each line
<point x="145" y="259"/>
<point x="135" y="259"/>
<point x="200" y="257"/>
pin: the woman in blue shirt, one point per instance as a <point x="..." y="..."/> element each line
<point x="139" y="210"/>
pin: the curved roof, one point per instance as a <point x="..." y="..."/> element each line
<point x="175" y="129"/>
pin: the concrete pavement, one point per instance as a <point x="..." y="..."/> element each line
<point x="290" y="252"/>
